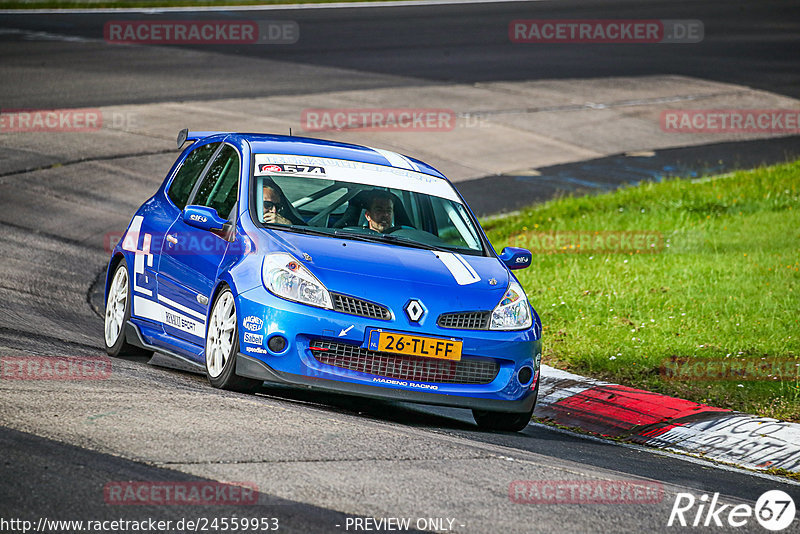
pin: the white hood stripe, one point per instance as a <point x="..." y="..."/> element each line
<point x="413" y="165"/>
<point x="397" y="160"/>
<point x="466" y="264"/>
<point x="462" y="271"/>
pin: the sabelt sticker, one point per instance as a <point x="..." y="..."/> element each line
<point x="253" y="323"/>
<point x="256" y="339"/>
<point x="288" y="168"/>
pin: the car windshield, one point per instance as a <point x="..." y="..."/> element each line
<point x="361" y="201"/>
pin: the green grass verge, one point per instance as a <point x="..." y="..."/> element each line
<point x="722" y="289"/>
<point x="98" y="4"/>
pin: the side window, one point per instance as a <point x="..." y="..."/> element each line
<point x="220" y="186"/>
<point x="187" y="175"/>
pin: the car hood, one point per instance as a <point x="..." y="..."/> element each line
<point x="376" y="270"/>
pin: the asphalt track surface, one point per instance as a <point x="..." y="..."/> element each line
<point x="749" y="43"/>
<point x="316" y="459"/>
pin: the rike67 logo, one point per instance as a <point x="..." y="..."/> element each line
<point x="774" y="510"/>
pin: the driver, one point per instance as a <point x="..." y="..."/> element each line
<point x="276" y="206"/>
<point x="273" y="206"/>
<point x="380" y="213"/>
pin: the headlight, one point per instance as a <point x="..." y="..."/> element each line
<point x="287" y="278"/>
<point x="513" y="312"/>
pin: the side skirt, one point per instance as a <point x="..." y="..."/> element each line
<point x="134" y="337"/>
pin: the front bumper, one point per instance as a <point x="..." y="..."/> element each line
<point x="303" y="325"/>
<point x="251" y="367"/>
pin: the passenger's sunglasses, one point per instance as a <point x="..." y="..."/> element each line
<point x="268" y="205"/>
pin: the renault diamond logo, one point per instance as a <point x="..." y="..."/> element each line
<point x="414" y="310"/>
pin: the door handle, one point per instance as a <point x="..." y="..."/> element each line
<point x="172" y="239"/>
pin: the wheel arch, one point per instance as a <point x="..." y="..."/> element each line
<point x="224" y="281"/>
<point x="112" y="266"/>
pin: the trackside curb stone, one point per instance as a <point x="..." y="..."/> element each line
<point x="667" y="422"/>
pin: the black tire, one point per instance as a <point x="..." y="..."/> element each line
<point x="505" y="421"/>
<point x="121" y="347"/>
<point x="227" y="378"/>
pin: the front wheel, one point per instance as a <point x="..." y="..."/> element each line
<point x="117" y="314"/>
<point x="222" y="345"/>
<point x="504" y="421"/>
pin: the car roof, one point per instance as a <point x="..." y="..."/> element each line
<point x="307" y="146"/>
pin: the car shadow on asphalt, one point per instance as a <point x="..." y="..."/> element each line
<point x="387" y="411"/>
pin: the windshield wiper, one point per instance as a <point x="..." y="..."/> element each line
<point x="400" y="240"/>
<point x="332" y="232"/>
<point x="296" y="228"/>
<point x="372" y="238"/>
<point x="414" y="243"/>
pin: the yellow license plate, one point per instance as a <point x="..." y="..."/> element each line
<point x="428" y="347"/>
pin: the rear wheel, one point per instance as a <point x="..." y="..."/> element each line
<point x="117" y="314"/>
<point x="222" y="345"/>
<point x="505" y="421"/>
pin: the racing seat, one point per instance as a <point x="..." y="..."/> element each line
<point x="354" y="214"/>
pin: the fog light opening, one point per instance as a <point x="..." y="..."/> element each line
<point x="525" y="375"/>
<point x="277" y="343"/>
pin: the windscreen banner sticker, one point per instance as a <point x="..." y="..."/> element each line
<point x="288" y="168"/>
<point x="358" y="172"/>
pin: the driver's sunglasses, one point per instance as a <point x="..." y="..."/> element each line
<point x="268" y="205"/>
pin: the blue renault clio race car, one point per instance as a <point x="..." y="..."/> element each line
<point x="335" y="267"/>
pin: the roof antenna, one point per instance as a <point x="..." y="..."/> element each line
<point x="290" y="131"/>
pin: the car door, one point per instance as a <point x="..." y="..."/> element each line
<point x="190" y="257"/>
<point x="148" y="228"/>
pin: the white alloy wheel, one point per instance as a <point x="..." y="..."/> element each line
<point x="115" y="306"/>
<point x="221" y="334"/>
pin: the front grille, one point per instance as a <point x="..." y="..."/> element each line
<point x="465" y="371"/>
<point x="478" y="320"/>
<point x="362" y="308"/>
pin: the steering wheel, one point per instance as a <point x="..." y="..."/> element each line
<point x="392" y="229"/>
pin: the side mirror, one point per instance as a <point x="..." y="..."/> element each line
<point x="204" y="218"/>
<point x="516" y="258"/>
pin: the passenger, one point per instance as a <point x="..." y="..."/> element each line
<point x="380" y="213"/>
